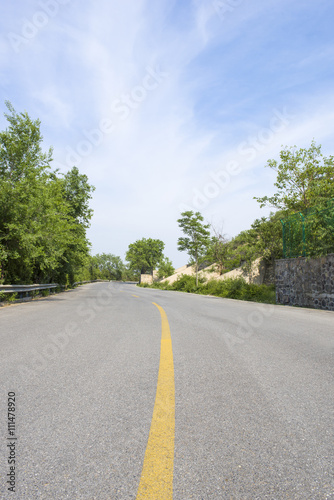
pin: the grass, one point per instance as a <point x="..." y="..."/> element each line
<point x="236" y="288"/>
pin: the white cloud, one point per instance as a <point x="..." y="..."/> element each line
<point x="224" y="78"/>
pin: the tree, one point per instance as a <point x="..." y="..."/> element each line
<point x="218" y="250"/>
<point x="43" y="217"/>
<point x="305" y="182"/>
<point x="24" y="174"/>
<point x="111" y="266"/>
<point x="304" y="178"/>
<point x="144" y="255"/>
<point x="165" y="268"/>
<point x="77" y="192"/>
<point x="267" y="233"/>
<point x="197" y="238"/>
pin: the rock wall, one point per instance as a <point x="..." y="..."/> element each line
<point x="306" y="282"/>
<point x="146" y="278"/>
<point x="269" y="274"/>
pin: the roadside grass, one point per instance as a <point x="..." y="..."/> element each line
<point x="236" y="288"/>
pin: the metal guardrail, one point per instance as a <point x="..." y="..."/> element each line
<point x="26" y="288"/>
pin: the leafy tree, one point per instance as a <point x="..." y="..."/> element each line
<point x="53" y="232"/>
<point x="305" y="182"/>
<point x="165" y="268"/>
<point x="144" y="255"/>
<point x="129" y="274"/>
<point x="197" y="238"/>
<point x="43" y="217"/>
<point x="77" y="192"/>
<point x="304" y="178"/>
<point x="241" y="251"/>
<point x="110" y="266"/>
<point x="92" y="268"/>
<point x="218" y="250"/>
<point x="267" y="234"/>
<point x="24" y="172"/>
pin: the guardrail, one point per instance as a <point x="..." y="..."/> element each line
<point x="26" y="288"/>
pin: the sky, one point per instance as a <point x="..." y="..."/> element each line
<point x="170" y="106"/>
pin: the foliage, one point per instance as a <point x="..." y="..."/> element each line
<point x="304" y="178"/>
<point x="310" y="233"/>
<point x="43" y="215"/>
<point x="8" y="297"/>
<point x="228" y="288"/>
<point x="77" y="193"/>
<point x="218" y="251"/>
<point x="186" y="283"/>
<point x="241" y="251"/>
<point x="267" y="234"/>
<point x="165" y="268"/>
<point x="144" y="255"/>
<point x="239" y="289"/>
<point x="110" y="266"/>
<point x="305" y="182"/>
<point x="197" y="237"/>
<point x="129" y="274"/>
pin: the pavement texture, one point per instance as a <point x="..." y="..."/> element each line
<point x="253" y="395"/>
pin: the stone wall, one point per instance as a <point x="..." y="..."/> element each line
<point x="269" y="273"/>
<point x="146" y="278"/>
<point x="306" y="282"/>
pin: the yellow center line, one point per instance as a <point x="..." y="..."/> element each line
<point x="137" y="296"/>
<point x="156" y="482"/>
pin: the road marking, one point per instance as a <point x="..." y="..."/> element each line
<point x="156" y="482"/>
<point x="135" y="296"/>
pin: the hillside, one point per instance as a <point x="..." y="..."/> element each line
<point x="255" y="276"/>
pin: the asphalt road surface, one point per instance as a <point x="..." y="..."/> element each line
<point x="125" y="393"/>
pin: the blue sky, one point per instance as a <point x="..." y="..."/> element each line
<point x="168" y="106"/>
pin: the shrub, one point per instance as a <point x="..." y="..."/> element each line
<point x="185" y="284"/>
<point x="8" y="297"/>
<point x="236" y="288"/>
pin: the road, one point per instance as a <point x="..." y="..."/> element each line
<point x="238" y="397"/>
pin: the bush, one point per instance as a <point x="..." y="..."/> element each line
<point x="8" y="297"/>
<point x="185" y="284"/>
<point x="230" y="288"/>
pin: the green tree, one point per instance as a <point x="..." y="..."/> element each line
<point x="24" y="175"/>
<point x="144" y="255"/>
<point x="305" y="194"/>
<point x="218" y="250"/>
<point x="267" y="237"/>
<point x="165" y="268"/>
<point x="197" y="238"/>
<point x="76" y="192"/>
<point x="43" y="217"/>
<point x="129" y="274"/>
<point x="92" y="268"/>
<point x="304" y="178"/>
<point x="110" y="266"/>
